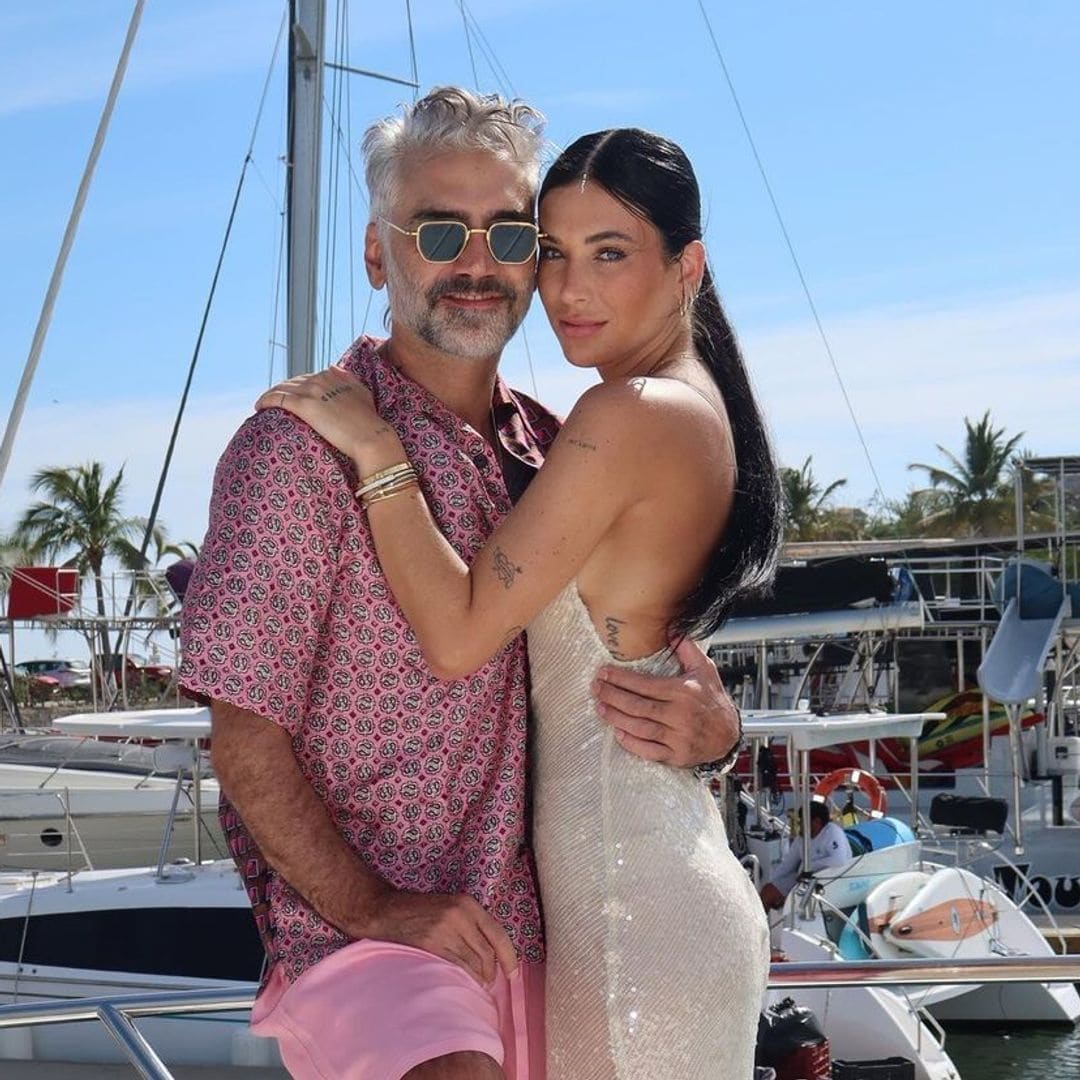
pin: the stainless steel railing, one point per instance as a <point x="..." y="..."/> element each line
<point x="118" y="1013"/>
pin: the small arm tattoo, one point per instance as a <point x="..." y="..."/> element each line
<point x="612" y="626"/>
<point x="334" y="391"/>
<point x="582" y="444"/>
<point x="505" y="568"/>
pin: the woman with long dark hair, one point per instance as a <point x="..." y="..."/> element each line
<point x="657" y="506"/>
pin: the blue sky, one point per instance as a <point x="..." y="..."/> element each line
<point x="924" y="156"/>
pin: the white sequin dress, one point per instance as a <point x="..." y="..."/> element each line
<point x="657" y="943"/>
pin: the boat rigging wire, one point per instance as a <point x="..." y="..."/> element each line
<point x="412" y="50"/>
<point x="468" y="45"/>
<point x="45" y="318"/>
<point x="349" y="209"/>
<point x="163" y="475"/>
<point x="329" y="275"/>
<point x="486" y="48"/>
<point x="791" y="250"/>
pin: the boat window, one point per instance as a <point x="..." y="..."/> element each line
<point x="207" y="943"/>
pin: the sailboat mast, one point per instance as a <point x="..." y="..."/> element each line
<point x="306" y="46"/>
<point x="45" y="318"/>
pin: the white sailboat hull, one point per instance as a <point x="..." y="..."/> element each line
<point x="866" y="1023"/>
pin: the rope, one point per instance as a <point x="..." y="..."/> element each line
<point x="329" y="275"/>
<point x="152" y="518"/>
<point x="349" y="192"/>
<point x="791" y="252"/>
<point x="468" y="44"/>
<point x="412" y="50"/>
<point x="501" y="76"/>
<point x="528" y="357"/>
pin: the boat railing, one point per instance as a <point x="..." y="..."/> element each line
<point x="118" y="1013"/>
<point x="954" y="587"/>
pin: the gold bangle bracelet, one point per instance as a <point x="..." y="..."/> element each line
<point x="389" y="492"/>
<point x="386" y="476"/>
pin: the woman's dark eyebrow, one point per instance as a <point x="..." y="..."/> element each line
<point x="595" y="238"/>
<point x="610" y="234"/>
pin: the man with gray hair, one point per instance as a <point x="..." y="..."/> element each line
<point x="378" y="813"/>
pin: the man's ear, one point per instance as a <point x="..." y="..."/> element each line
<point x="374" y="256"/>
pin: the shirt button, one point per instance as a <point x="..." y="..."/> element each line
<point x="480" y="461"/>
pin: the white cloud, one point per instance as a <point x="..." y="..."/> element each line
<point x="74" y="61"/>
<point x="132" y="433"/>
<point x="913" y="374"/>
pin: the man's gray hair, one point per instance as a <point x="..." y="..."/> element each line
<point x="446" y="119"/>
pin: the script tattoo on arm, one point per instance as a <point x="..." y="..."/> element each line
<point x="612" y="626"/>
<point x="334" y="391"/>
<point x="505" y="568"/>
<point x="582" y="444"/>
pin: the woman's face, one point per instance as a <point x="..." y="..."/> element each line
<point x="609" y="288"/>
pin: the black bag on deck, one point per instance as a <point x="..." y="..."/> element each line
<point x="975" y="812"/>
<point x="782" y="1029"/>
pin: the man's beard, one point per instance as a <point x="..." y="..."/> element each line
<point x="472" y="335"/>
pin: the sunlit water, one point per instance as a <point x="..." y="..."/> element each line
<point x="1017" y="1054"/>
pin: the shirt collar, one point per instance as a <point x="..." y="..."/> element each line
<point x="395" y="392"/>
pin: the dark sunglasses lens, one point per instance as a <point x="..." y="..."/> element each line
<point x="512" y="242"/>
<point x="441" y="241"/>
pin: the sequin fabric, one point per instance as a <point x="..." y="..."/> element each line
<point x="288" y="615"/>
<point x="657" y="945"/>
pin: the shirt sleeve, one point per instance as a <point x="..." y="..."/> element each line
<point x="254" y="610"/>
<point x="831" y="848"/>
<point x="787" y="873"/>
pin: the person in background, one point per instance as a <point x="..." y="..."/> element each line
<point x="829" y="847"/>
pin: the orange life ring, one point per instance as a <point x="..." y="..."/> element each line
<point x="866" y="782"/>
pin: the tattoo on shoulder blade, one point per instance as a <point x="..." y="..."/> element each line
<point x="504" y="568"/>
<point x="582" y="444"/>
<point x="612" y="626"/>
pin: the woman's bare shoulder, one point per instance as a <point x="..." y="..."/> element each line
<point x="645" y="409"/>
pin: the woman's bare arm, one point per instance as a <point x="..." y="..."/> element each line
<point x="614" y="450"/>
<point x="462" y="615"/>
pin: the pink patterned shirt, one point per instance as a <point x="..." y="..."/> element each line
<point x="288" y="615"/>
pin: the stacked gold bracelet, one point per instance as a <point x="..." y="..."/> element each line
<point x="386" y="483"/>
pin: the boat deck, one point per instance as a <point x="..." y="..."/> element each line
<point x="1068" y="928"/>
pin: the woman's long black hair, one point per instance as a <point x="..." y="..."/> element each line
<point x="654" y="179"/>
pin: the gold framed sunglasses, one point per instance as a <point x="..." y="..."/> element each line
<point x="510" y="242"/>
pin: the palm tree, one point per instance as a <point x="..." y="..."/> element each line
<point x="804" y="500"/>
<point x="80" y="520"/>
<point x="891" y="519"/>
<point x="977" y="494"/>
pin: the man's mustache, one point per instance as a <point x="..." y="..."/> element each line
<point x="469" y="286"/>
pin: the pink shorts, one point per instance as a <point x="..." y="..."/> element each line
<point x="376" y="1009"/>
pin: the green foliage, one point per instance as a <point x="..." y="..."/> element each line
<point x="79" y="522"/>
<point x="805" y="514"/>
<point x="976" y="496"/>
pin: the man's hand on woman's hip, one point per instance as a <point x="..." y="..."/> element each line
<point x="683" y="720"/>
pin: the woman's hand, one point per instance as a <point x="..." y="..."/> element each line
<point x="342" y="410"/>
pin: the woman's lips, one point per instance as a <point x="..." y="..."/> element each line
<point x="578" y="328"/>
